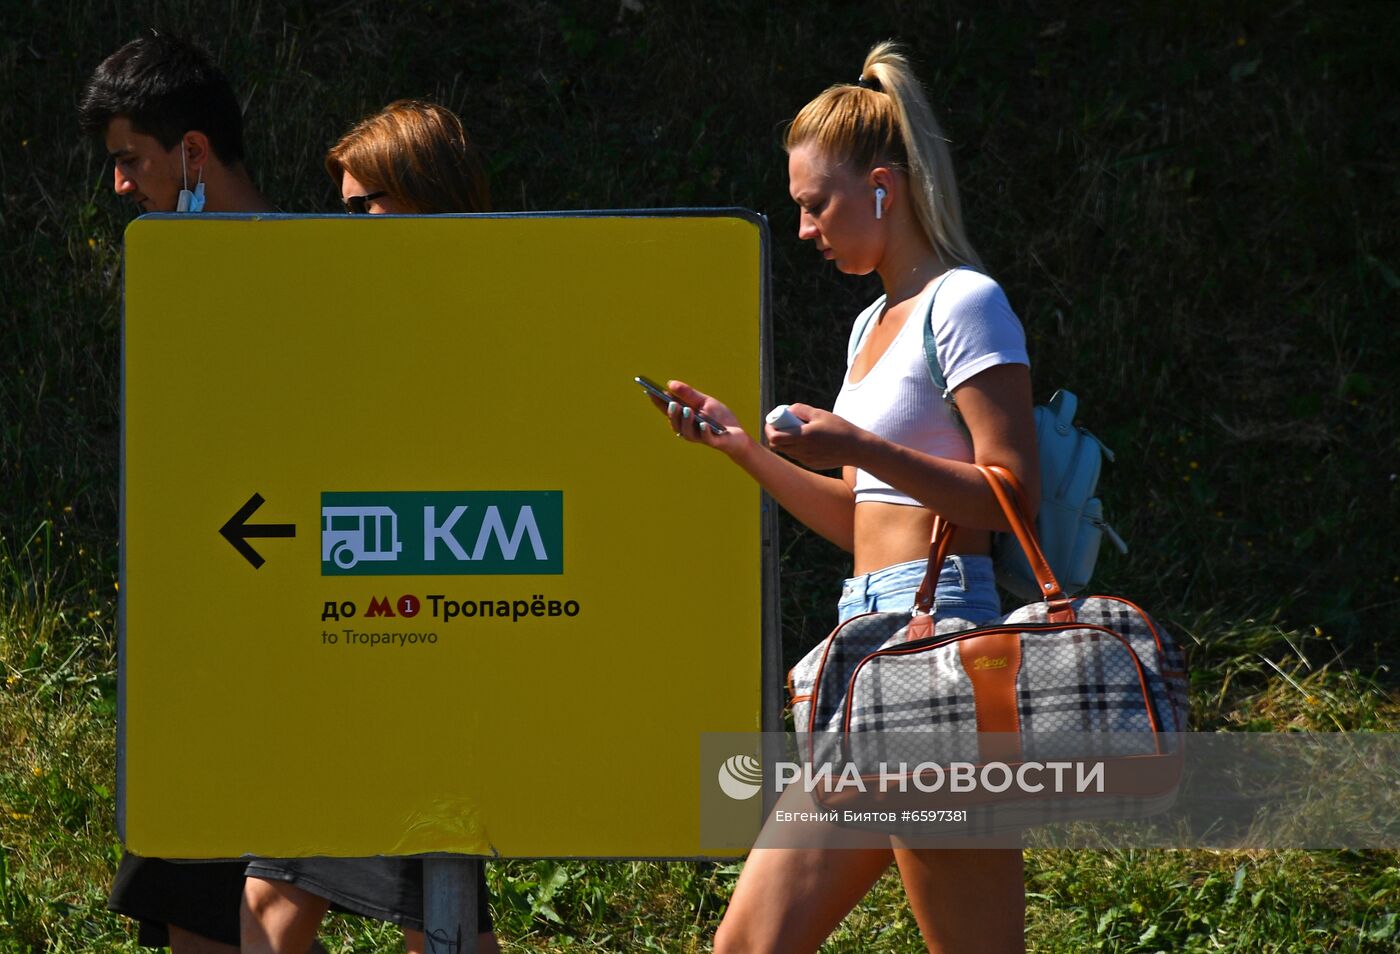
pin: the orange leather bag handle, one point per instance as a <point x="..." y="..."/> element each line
<point x="1012" y="498"/>
<point x="937" y="551"/>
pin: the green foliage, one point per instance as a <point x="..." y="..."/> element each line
<point x="1150" y="901"/>
<point x="607" y="906"/>
<point x="1190" y="206"/>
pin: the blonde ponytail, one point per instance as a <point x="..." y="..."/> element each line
<point x="885" y="119"/>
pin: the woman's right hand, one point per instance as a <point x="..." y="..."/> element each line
<point x="684" y="423"/>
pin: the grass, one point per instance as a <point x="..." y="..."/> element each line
<point x="1190" y="206"/>
<point x="1170" y="901"/>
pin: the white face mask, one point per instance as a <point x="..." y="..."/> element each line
<point x="189" y="201"/>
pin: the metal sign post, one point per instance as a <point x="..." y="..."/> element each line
<point x="450" y="904"/>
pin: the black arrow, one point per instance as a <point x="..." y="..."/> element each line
<point x="237" y="530"/>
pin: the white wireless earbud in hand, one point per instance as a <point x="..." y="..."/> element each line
<point x="782" y="418"/>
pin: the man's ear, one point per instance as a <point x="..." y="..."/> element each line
<point x="196" y="147"/>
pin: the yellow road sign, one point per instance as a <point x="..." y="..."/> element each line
<point x="410" y="564"/>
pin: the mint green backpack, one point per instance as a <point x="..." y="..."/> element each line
<point x="1070" y="525"/>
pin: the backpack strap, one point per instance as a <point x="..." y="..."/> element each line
<point x="935" y="370"/>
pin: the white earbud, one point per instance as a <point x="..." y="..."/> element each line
<point x="879" y="201"/>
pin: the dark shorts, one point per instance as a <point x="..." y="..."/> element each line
<point x="388" y="889"/>
<point x="199" y="896"/>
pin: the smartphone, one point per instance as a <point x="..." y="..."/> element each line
<point x="661" y="394"/>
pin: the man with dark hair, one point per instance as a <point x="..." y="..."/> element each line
<point x="171" y="122"/>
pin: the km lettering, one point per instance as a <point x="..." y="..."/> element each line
<point x="492" y="528"/>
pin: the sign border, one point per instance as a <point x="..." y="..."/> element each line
<point x="770" y="696"/>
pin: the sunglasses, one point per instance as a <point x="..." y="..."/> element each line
<point x="359" y="204"/>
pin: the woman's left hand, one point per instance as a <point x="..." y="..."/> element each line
<point x="824" y="442"/>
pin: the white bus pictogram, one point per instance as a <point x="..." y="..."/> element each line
<point x="352" y="534"/>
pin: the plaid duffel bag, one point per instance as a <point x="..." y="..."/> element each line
<point x="1064" y="709"/>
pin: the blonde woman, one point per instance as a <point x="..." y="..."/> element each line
<point x="410" y="158"/>
<point x="869" y="171"/>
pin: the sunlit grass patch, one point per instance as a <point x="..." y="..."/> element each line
<point x="1173" y="901"/>
<point x="1262" y="676"/>
<point x="57" y="703"/>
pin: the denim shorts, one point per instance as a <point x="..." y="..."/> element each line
<point x="966" y="589"/>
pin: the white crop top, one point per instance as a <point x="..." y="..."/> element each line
<point x="974" y="329"/>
